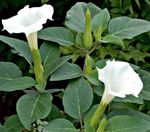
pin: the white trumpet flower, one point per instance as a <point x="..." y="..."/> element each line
<point x="120" y="80"/>
<point x="28" y="20"/>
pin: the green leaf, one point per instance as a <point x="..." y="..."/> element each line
<point x="8" y="71"/>
<point x="59" y="35"/>
<point x="90" y="113"/>
<point x="55" y="113"/>
<point x="77" y="98"/>
<point x="3" y="128"/>
<point x="146" y="87"/>
<point x="129" y="112"/>
<point x="127" y="124"/>
<point x="93" y="9"/>
<point x="31" y="107"/>
<point x="113" y="40"/>
<point x="125" y="27"/>
<point x="49" y="52"/>
<point x="92" y="77"/>
<point x="88" y="128"/>
<point x="44" y="1"/>
<point x="75" y="16"/>
<point x="87" y="119"/>
<point x="13" y="124"/>
<point x="100" y="22"/>
<point x="19" y="83"/>
<point x="130" y="98"/>
<point x="54" y="65"/>
<point x="21" y="47"/>
<point x="66" y="71"/>
<point x="79" y="39"/>
<point x="11" y="80"/>
<point x="60" y="125"/>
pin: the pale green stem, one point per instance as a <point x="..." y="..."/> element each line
<point x="98" y="113"/>
<point x="102" y="125"/>
<point x="38" y="68"/>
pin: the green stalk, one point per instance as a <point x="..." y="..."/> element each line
<point x="98" y="113"/>
<point x="38" y="67"/>
<point x="102" y="125"/>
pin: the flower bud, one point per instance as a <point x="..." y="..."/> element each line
<point x="87" y="32"/>
<point x="88" y="64"/>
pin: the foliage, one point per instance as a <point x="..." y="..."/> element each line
<point x="71" y="75"/>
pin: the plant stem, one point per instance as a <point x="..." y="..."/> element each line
<point x="102" y="125"/>
<point x="81" y="125"/>
<point x="38" y="68"/>
<point x="98" y="113"/>
<point x="93" y="49"/>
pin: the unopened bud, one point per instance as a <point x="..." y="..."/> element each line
<point x="87" y="32"/>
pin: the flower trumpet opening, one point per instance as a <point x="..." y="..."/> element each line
<point x="120" y="80"/>
<point x="28" y="20"/>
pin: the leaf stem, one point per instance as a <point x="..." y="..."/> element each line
<point x="93" y="49"/>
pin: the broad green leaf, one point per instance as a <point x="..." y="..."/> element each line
<point x="113" y="40"/>
<point x="60" y="125"/>
<point x="127" y="124"/>
<point x="59" y="35"/>
<point x="88" y="128"/>
<point x="125" y="27"/>
<point x="145" y="77"/>
<point x="90" y="113"/>
<point x="93" y="9"/>
<point x="19" y="83"/>
<point x="129" y="112"/>
<point x="92" y="77"/>
<point x="31" y="107"/>
<point x="54" y="90"/>
<point x="75" y="16"/>
<point x="77" y="98"/>
<point x="49" y="52"/>
<point x="55" y="113"/>
<point x="100" y="22"/>
<point x="10" y="78"/>
<point x="13" y="124"/>
<point x="79" y="39"/>
<point x="146" y="88"/>
<point x="54" y="65"/>
<point x="8" y="71"/>
<point x="3" y="128"/>
<point x="87" y="119"/>
<point x="21" y="47"/>
<point x="66" y="71"/>
<point x="130" y="98"/>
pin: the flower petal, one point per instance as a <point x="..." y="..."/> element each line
<point x="28" y="20"/>
<point x="120" y="79"/>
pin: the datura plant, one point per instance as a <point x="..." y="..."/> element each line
<point x="101" y="95"/>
